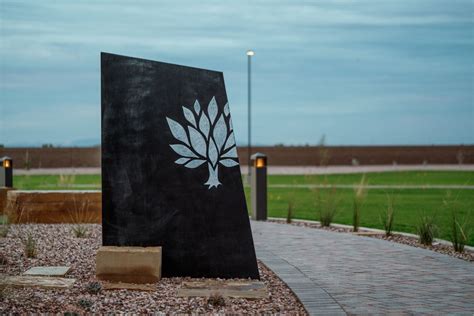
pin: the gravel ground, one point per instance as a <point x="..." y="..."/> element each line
<point x="56" y="245"/>
<point x="402" y="239"/>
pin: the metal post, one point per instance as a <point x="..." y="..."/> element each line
<point x="258" y="187"/>
<point x="249" y="144"/>
<point x="6" y="172"/>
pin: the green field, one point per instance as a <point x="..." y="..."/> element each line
<point x="409" y="203"/>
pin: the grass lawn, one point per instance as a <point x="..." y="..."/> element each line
<point x="388" y="178"/>
<point x="409" y="203"/>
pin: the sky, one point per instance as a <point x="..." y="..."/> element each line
<point x="366" y="72"/>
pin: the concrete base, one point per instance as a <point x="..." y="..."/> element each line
<point x="129" y="264"/>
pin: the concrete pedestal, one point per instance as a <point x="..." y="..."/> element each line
<point x="129" y="264"/>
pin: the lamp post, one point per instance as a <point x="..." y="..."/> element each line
<point x="6" y="172"/>
<point x="250" y="53"/>
<point x="258" y="187"/>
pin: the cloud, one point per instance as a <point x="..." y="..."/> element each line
<point x="321" y="62"/>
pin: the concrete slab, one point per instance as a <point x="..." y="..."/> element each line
<point x="128" y="286"/>
<point x="48" y="271"/>
<point x="129" y="264"/>
<point x="36" y="281"/>
<point x="239" y="289"/>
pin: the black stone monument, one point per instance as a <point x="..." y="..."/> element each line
<point x="170" y="171"/>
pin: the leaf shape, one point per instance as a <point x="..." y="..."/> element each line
<point x="188" y="114"/>
<point x="220" y="132"/>
<point x="226" y="109"/>
<point x="212" y="152"/>
<point x="197" y="141"/>
<point x="230" y="124"/>
<point x="183" y="151"/>
<point x="195" y="163"/>
<point x="229" y="162"/>
<point x="197" y="107"/>
<point x="204" y="125"/>
<point x="232" y="153"/>
<point x="182" y="161"/>
<point x="178" y="131"/>
<point x="212" y="110"/>
<point x="230" y="141"/>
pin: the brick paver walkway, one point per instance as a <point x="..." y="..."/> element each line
<point x="336" y="273"/>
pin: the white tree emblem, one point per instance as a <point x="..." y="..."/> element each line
<point x="207" y="140"/>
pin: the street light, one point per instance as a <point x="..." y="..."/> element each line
<point x="250" y="53"/>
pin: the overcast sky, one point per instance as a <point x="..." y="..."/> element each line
<point x="361" y="72"/>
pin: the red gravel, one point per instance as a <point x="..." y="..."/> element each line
<point x="57" y="245"/>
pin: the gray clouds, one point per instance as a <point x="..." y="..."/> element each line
<point x="364" y="72"/>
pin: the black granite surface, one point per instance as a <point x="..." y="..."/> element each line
<point x="152" y="194"/>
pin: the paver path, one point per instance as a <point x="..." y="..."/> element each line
<point x="336" y="273"/>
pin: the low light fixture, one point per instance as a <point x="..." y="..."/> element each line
<point x="7" y="163"/>
<point x="260" y="162"/>
<point x="6" y="172"/>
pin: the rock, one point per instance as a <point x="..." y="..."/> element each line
<point x="36" y="281"/>
<point x="129" y="264"/>
<point x="47" y="271"/>
<point x="238" y="289"/>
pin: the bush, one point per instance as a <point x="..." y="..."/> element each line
<point x="30" y="246"/>
<point x="459" y="233"/>
<point x="93" y="287"/>
<point x="5" y="291"/>
<point x="4" y="226"/>
<point x="3" y="259"/>
<point x="359" y="198"/>
<point x="80" y="231"/>
<point x="216" y="300"/>
<point x="85" y="303"/>
<point x="327" y="207"/>
<point x="426" y="229"/>
<point x="289" y="215"/>
<point x="387" y="217"/>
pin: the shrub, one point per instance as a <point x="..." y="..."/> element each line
<point x="323" y="152"/>
<point x="79" y="214"/>
<point x="93" y="287"/>
<point x="3" y="259"/>
<point x="289" y="215"/>
<point x="30" y="246"/>
<point x="459" y="233"/>
<point x="327" y="207"/>
<point x="426" y="229"/>
<point x="4" y="226"/>
<point x="80" y="231"/>
<point x="216" y="300"/>
<point x="386" y="218"/>
<point x="5" y="290"/>
<point x="65" y="180"/>
<point x="85" y="303"/>
<point x="359" y="198"/>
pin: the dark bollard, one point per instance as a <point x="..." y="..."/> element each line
<point x="6" y="172"/>
<point x="258" y="187"/>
